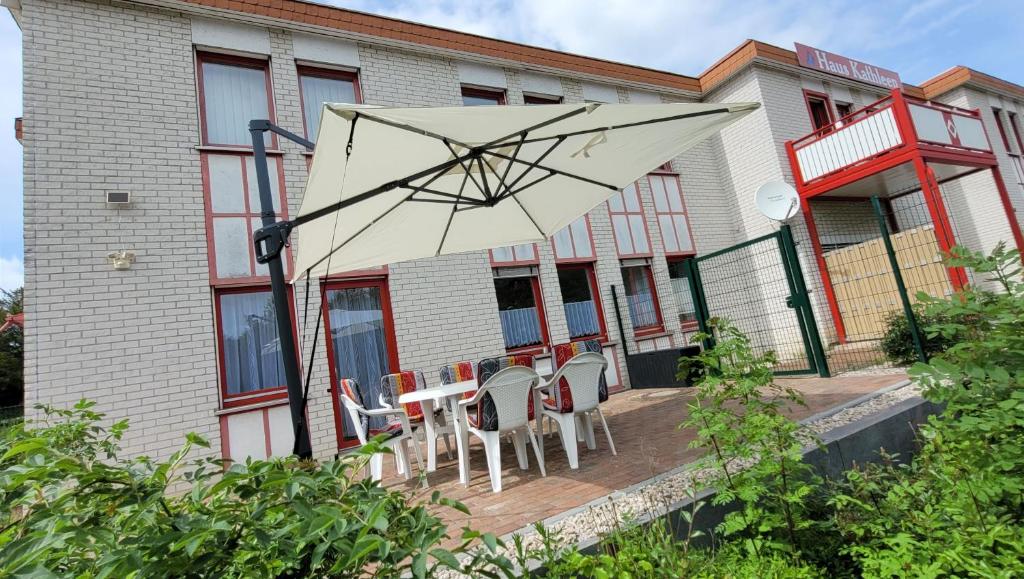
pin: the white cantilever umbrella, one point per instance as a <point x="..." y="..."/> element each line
<point x="393" y="184"/>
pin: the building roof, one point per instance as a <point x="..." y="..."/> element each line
<point x="12" y="321"/>
<point x="961" y="75"/>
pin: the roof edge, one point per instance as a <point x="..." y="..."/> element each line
<point x="960" y="75"/>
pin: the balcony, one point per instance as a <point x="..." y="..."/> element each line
<point x="880" y="139"/>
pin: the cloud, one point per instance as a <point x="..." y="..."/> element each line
<point x="687" y="36"/>
<point x="12" y="273"/>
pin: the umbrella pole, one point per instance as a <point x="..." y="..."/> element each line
<point x="269" y="242"/>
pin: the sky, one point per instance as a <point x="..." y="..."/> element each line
<point x="918" y="39"/>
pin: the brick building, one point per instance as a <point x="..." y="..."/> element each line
<point x="151" y="97"/>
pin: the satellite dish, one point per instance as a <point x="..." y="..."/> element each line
<point x="777" y="200"/>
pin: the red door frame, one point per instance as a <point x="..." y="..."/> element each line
<point x="389" y="336"/>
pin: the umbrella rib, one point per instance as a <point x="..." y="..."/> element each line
<point x="483" y="177"/>
<point x="532" y="220"/>
<point x="532" y="166"/>
<point x="527" y="186"/>
<point x="562" y="173"/>
<point x="424" y="189"/>
<point x="562" y="117"/>
<point x="613" y="127"/>
<point x="451" y="216"/>
<point x="412" y="129"/>
<point x="466" y="168"/>
<point x="515" y="154"/>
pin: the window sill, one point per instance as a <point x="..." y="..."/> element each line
<point x="242" y="407"/>
<point x="652" y="334"/>
<point x="243" y="150"/>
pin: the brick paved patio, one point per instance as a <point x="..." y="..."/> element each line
<point x="643" y="425"/>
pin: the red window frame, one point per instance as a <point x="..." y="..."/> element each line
<point x="997" y="113"/>
<point x="659" y="327"/>
<point x="256" y="396"/>
<point x="595" y="294"/>
<point x="232" y="60"/>
<point x="810" y="95"/>
<point x="643" y="219"/>
<point x="302" y="70"/>
<point x="250" y="213"/>
<point x="685" y="212"/>
<point x="843" y="110"/>
<point x="542" y="319"/>
<point x="534" y="99"/>
<point x="327" y="285"/>
<point x="484" y="93"/>
<point x="575" y="243"/>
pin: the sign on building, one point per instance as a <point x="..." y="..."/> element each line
<point x="828" y="62"/>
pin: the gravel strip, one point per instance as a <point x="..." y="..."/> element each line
<point x="655" y="496"/>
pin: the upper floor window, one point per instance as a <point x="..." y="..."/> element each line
<point x="478" y="96"/>
<point x="532" y="99"/>
<point x="233" y="213"/>
<point x="844" y="110"/>
<point x="319" y="86"/>
<point x="671" y="213"/>
<point x="523" y="254"/>
<point x="998" y="114"/>
<point x="573" y="242"/>
<point x="820" y="108"/>
<point x="628" y="222"/>
<point x="232" y="91"/>
<point x="1015" y="127"/>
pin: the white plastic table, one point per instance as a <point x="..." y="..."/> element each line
<point x="430" y="397"/>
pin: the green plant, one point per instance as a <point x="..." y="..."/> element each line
<point x="739" y="413"/>
<point x="898" y="342"/>
<point x="70" y="507"/>
<point x="12" y="350"/>
<point x="958" y="508"/>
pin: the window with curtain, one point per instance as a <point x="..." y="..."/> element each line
<point x="573" y="242"/>
<point x="251" y="359"/>
<point x="684" y="297"/>
<point x="359" y="343"/>
<point x="671" y="213"/>
<point x="519" y="308"/>
<point x="233" y="213"/>
<point x="232" y="91"/>
<point x="319" y="86"/>
<point x="580" y="300"/>
<point x="642" y="301"/>
<point x="628" y="222"/>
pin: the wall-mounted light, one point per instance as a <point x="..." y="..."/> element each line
<point x="121" y="260"/>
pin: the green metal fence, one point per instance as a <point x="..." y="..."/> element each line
<point x="758" y="285"/>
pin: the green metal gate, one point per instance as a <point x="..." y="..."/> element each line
<point x="758" y="285"/>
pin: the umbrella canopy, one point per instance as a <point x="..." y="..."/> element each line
<point x="393" y="184"/>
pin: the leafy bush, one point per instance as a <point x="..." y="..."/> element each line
<point x="898" y="342"/>
<point x="70" y="507"/>
<point x="958" y="509"/>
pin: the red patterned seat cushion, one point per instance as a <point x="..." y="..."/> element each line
<point x="402" y="383"/>
<point x="562" y="353"/>
<point x="392" y="429"/>
<point x="486" y="414"/>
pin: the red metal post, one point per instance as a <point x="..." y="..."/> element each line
<point x="1011" y="216"/>
<point x="826" y="280"/>
<point x="940" y="219"/>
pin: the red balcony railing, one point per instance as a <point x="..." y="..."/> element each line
<point x="882" y="128"/>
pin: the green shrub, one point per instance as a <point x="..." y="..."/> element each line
<point x="898" y="342"/>
<point x="70" y="507"/>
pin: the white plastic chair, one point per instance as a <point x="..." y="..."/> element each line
<point x="503" y="395"/>
<point x="582" y="373"/>
<point x="442" y="428"/>
<point x="399" y="443"/>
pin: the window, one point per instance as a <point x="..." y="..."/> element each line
<point x="671" y="214"/>
<point x="998" y="114"/>
<point x="1015" y="127"/>
<point x="472" y="97"/>
<point x="319" y="86"/>
<point x="638" y="282"/>
<point x="820" y="109"/>
<point x="232" y="91"/>
<point x="233" y="213"/>
<point x="520" y="307"/>
<point x="684" y="297"/>
<point x="525" y="253"/>
<point x="628" y="222"/>
<point x="574" y="242"/>
<point x="541" y="99"/>
<point x="844" y="110"/>
<point x="580" y="298"/>
<point x="251" y="364"/>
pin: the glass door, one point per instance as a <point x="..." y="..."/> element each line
<point x="360" y="345"/>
